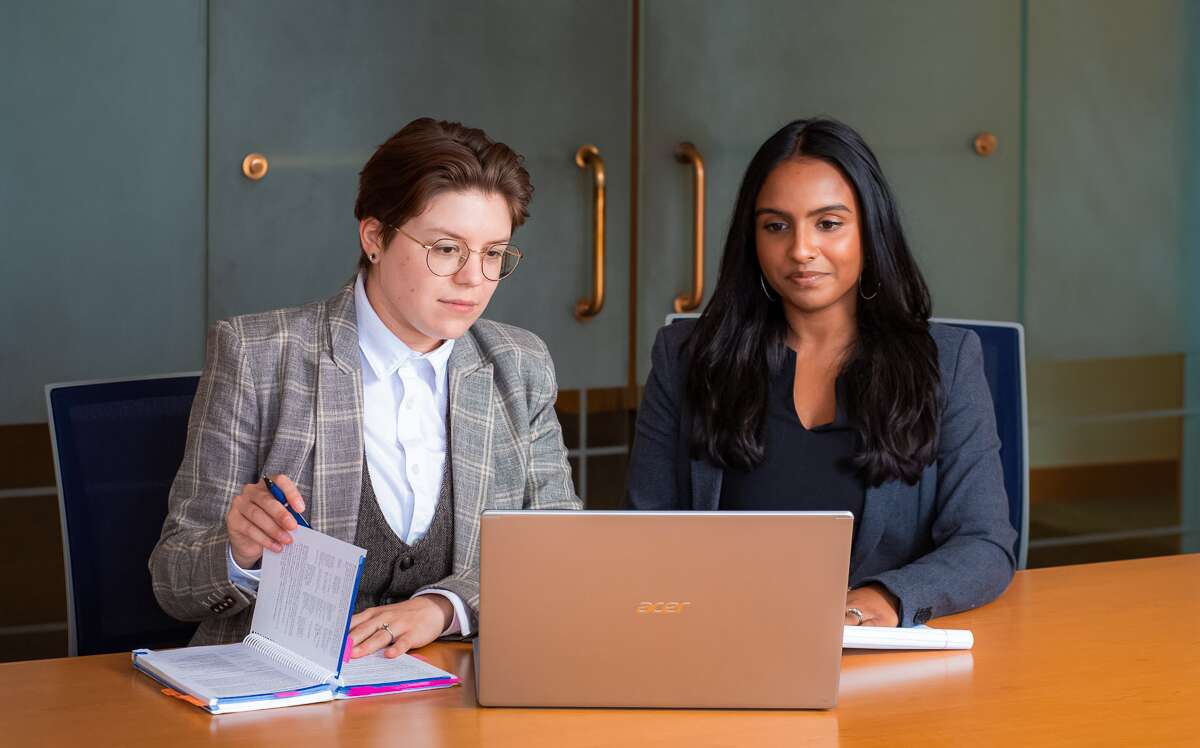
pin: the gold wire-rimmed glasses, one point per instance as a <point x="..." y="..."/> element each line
<point x="446" y="257"/>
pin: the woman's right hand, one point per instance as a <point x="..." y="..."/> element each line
<point x="257" y="520"/>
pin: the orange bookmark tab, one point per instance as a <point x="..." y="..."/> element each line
<point x="184" y="697"/>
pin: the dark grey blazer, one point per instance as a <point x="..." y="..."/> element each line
<point x="941" y="546"/>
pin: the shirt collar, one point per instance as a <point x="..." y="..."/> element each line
<point x="384" y="352"/>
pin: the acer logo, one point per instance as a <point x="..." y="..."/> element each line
<point x="664" y="607"/>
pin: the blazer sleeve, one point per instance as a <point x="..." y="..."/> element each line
<point x="548" y="483"/>
<point x="972" y="561"/>
<point x="188" y="566"/>
<point x="652" y="475"/>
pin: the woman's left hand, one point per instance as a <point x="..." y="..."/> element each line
<point x="879" y="607"/>
<point x="413" y="623"/>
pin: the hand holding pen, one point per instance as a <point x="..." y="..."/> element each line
<point x="282" y="499"/>
<point x="263" y="516"/>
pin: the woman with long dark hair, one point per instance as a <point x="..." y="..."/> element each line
<point x="814" y="381"/>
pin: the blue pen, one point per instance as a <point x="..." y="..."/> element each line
<point x="274" y="489"/>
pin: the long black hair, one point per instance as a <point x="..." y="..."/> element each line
<point x="891" y="372"/>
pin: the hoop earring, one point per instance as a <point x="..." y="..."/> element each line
<point x="863" y="295"/>
<point x="766" y="293"/>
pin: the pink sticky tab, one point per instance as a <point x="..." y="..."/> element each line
<point x="399" y="687"/>
<point x="346" y="648"/>
<point x="285" y="694"/>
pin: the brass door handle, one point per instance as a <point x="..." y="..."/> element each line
<point x="585" y="309"/>
<point x="686" y="153"/>
<point x="254" y="166"/>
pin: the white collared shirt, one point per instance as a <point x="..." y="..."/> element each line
<point x="405" y="399"/>
<point x="405" y="395"/>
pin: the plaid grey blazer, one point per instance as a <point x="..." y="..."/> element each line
<point x="281" y="392"/>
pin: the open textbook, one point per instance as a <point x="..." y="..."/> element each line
<point x="296" y="651"/>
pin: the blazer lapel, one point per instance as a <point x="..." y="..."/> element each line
<point x="338" y="452"/>
<point x="877" y="504"/>
<point x="471" y="436"/>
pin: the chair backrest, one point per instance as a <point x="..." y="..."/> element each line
<point x="1003" y="346"/>
<point x="672" y="318"/>
<point x="117" y="446"/>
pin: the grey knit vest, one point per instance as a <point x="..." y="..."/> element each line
<point x="394" y="570"/>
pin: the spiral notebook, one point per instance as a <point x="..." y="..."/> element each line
<point x="295" y="652"/>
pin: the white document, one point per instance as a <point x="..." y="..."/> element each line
<point x="919" y="637"/>
<point x="302" y="598"/>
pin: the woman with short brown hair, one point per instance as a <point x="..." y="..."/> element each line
<point x="390" y="415"/>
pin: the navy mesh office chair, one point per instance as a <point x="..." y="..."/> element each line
<point x="1003" y="346"/>
<point x="117" y="446"/>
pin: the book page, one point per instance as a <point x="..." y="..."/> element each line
<point x="306" y="595"/>
<point x="223" y="671"/>
<point x="376" y="669"/>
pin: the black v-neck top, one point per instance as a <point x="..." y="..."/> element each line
<point x="802" y="469"/>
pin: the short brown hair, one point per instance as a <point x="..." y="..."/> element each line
<point x="428" y="157"/>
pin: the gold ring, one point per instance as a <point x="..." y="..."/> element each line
<point x="853" y="612"/>
<point x="388" y="629"/>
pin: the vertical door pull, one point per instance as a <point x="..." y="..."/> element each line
<point x="585" y="309"/>
<point x="686" y="153"/>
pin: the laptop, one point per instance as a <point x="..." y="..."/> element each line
<point x="662" y="609"/>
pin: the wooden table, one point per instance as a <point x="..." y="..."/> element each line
<point x="1102" y="654"/>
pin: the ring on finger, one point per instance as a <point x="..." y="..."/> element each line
<point x="387" y="629"/>
<point x="857" y="614"/>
